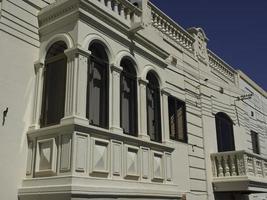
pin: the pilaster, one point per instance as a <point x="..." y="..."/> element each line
<point x="37" y="101"/>
<point x="165" y="117"/>
<point x="143" y="110"/>
<point x="115" y="93"/>
<point x="76" y="84"/>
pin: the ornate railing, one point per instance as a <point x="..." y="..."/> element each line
<point x="122" y="10"/>
<point x="218" y="65"/>
<point x="238" y="164"/>
<point x="170" y="28"/>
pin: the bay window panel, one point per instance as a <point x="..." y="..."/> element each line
<point x="180" y="122"/>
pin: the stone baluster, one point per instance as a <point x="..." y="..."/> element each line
<point x="214" y="166"/>
<point x="220" y="166"/>
<point x="227" y="167"/>
<point x="102" y="2"/>
<point x="122" y="13"/>
<point x="254" y="164"/>
<point x="109" y="4"/>
<point x="245" y="157"/>
<point x="115" y="7"/>
<point x="233" y="166"/>
<point x="127" y="14"/>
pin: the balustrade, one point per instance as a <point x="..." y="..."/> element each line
<point x="168" y="27"/>
<point x="238" y="163"/>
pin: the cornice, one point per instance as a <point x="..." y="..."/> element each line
<point x="252" y="83"/>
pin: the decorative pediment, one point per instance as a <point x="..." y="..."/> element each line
<point x="200" y="45"/>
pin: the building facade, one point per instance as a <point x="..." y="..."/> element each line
<point x="111" y="99"/>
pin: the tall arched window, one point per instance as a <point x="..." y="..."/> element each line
<point x="97" y="86"/>
<point x="153" y="108"/>
<point x="128" y="98"/>
<point x="53" y="103"/>
<point x="225" y="135"/>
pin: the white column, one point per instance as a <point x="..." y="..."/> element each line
<point x="115" y="102"/>
<point x="143" y="110"/>
<point x="37" y="101"/>
<point x="76" y="85"/>
<point x="165" y="117"/>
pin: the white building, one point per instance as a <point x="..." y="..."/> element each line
<point x="105" y="99"/>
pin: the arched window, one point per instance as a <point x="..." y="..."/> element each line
<point x="97" y="86"/>
<point x="128" y="98"/>
<point x="153" y="108"/>
<point x="53" y="103"/>
<point x="225" y="135"/>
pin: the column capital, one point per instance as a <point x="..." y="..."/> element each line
<point x="77" y="51"/>
<point x="142" y="81"/>
<point x="165" y="92"/>
<point x="38" y="65"/>
<point x="115" y="68"/>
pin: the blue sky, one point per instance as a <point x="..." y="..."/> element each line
<point x="237" y="30"/>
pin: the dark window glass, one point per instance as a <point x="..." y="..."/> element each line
<point x="177" y="119"/>
<point x="128" y="98"/>
<point x="97" y="86"/>
<point x="224" y="129"/>
<point x="153" y="108"/>
<point x="53" y="103"/>
<point x="255" y="142"/>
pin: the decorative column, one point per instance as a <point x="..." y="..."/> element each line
<point x="115" y="103"/>
<point x="76" y="84"/>
<point x="143" y="110"/>
<point x="165" y="118"/>
<point x="37" y="101"/>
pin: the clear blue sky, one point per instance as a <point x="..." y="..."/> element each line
<point x="237" y="30"/>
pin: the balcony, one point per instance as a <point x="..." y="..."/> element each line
<point x="75" y="160"/>
<point x="239" y="171"/>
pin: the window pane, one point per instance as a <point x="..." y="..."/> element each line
<point x="54" y="92"/>
<point x="97" y="86"/>
<point x="177" y="119"/>
<point x="225" y="135"/>
<point x="150" y="114"/>
<point x="180" y="121"/>
<point x="255" y="142"/>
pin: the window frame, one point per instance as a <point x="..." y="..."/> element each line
<point x="157" y="112"/>
<point x="256" y="145"/>
<point x="176" y="135"/>
<point x="44" y="116"/>
<point x="132" y="77"/>
<point x="222" y="120"/>
<point x="105" y="106"/>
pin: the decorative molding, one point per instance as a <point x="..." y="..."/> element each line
<point x="46" y="157"/>
<point x="170" y="28"/>
<point x="218" y="65"/>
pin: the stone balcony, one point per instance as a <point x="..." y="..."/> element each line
<point x="78" y="160"/>
<point x="239" y="171"/>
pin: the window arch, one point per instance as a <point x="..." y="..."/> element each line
<point x="128" y="97"/>
<point x="54" y="86"/>
<point x="97" y="86"/>
<point x="153" y="108"/>
<point x="225" y="135"/>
